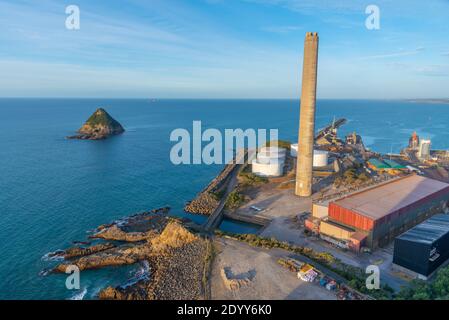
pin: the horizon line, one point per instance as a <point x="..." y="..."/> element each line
<point x="199" y="98"/>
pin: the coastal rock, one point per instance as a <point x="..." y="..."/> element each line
<point x="117" y="234"/>
<point x="112" y="257"/>
<point x="99" y="126"/>
<point x="177" y="264"/>
<point x="175" y="257"/>
<point x="82" y="251"/>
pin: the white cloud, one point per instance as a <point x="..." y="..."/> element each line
<point x="394" y="54"/>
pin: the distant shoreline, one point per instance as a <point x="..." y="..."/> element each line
<point x="432" y="101"/>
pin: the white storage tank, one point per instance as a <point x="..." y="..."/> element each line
<point x="320" y="158"/>
<point x="294" y="150"/>
<point x="269" y="162"/>
<point x="273" y="151"/>
<point x="267" y="170"/>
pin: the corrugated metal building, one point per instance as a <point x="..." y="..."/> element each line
<point x="384" y="211"/>
<point x="425" y="247"/>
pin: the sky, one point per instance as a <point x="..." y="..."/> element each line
<point x="223" y="49"/>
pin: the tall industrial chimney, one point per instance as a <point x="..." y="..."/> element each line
<point x="304" y="165"/>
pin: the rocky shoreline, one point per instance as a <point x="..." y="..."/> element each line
<point x="208" y="199"/>
<point x="175" y="257"/>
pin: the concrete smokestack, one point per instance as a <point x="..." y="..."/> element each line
<point x="306" y="141"/>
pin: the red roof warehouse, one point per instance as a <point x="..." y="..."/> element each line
<point x="387" y="210"/>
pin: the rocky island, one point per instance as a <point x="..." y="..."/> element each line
<point x="99" y="126"/>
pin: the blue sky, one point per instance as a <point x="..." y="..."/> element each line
<point x="222" y="49"/>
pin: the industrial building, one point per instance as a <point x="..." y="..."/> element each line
<point x="424" y="149"/>
<point x="413" y="142"/>
<point x="387" y="210"/>
<point x="376" y="215"/>
<point x="424" y="248"/>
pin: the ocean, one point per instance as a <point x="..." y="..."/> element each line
<point x="54" y="190"/>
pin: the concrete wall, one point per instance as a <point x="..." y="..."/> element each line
<point x="319" y="211"/>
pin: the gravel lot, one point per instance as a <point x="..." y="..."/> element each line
<point x="269" y="280"/>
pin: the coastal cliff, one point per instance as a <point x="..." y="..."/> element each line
<point x="172" y="257"/>
<point x="99" y="126"/>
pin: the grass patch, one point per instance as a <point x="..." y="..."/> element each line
<point x="208" y="260"/>
<point x="250" y="179"/>
<point x="235" y="200"/>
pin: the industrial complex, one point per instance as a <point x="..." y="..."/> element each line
<point x="362" y="200"/>
<point x="332" y="199"/>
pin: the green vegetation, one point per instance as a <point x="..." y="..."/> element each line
<point x="355" y="276"/>
<point x="217" y="195"/>
<point x="250" y="179"/>
<point x="279" y="143"/>
<point x="101" y="117"/>
<point x="235" y="200"/>
<point x="438" y="289"/>
<point x="208" y="259"/>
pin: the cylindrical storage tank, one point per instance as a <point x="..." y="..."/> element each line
<point x="294" y="150"/>
<point x="267" y="170"/>
<point x="270" y="158"/>
<point x="320" y="158"/>
<point x="273" y="151"/>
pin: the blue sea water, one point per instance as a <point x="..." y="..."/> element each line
<point x="53" y="190"/>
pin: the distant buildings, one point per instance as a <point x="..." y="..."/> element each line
<point x="413" y="142"/>
<point x="424" y="149"/>
<point x="353" y="139"/>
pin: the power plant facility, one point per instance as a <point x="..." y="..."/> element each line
<point x="374" y="216"/>
<point x="422" y="249"/>
<point x="306" y="138"/>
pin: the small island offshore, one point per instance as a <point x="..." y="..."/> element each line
<point x="99" y="126"/>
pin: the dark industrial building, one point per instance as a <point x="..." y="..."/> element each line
<point x="387" y="210"/>
<point x="425" y="247"/>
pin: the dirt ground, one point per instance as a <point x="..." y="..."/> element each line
<point x="266" y="279"/>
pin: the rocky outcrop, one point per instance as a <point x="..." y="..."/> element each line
<point x="175" y="258"/>
<point x="113" y="257"/>
<point x="82" y="251"/>
<point x="208" y="200"/>
<point x="176" y="275"/>
<point x="99" y="126"/>
<point x="117" y="234"/>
